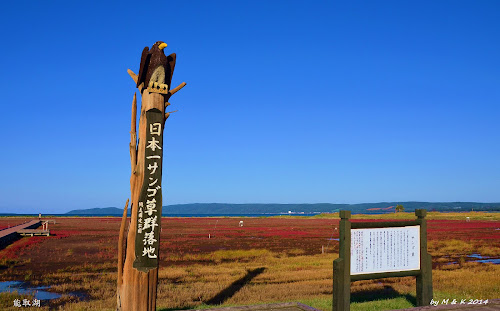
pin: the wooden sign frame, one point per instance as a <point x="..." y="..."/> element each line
<point x="342" y="277"/>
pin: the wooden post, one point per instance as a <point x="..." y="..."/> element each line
<point x="342" y="266"/>
<point x="138" y="250"/>
<point x="424" y="279"/>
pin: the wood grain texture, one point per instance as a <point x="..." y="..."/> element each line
<point x="136" y="290"/>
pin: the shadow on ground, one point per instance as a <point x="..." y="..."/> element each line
<point x="232" y="289"/>
<point x="384" y="293"/>
<point x="228" y="292"/>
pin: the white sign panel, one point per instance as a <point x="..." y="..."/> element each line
<point x="385" y="250"/>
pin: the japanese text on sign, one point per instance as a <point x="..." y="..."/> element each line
<point x="150" y="198"/>
<point x="385" y="250"/>
<point x="149" y="222"/>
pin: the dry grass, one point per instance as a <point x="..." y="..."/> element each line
<point x="258" y="266"/>
<point x="281" y="278"/>
<point x="472" y="280"/>
<point x="459" y="248"/>
<point x="447" y="247"/>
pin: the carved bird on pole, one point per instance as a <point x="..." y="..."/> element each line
<point x="156" y="68"/>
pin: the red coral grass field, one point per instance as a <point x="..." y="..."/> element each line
<point x="199" y="257"/>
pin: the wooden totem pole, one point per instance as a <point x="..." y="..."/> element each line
<point x="138" y="250"/>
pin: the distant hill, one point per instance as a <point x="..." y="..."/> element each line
<point x="108" y="211"/>
<point x="377" y="208"/>
<point x="371" y="208"/>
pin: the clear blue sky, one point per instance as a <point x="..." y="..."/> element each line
<point x="286" y="101"/>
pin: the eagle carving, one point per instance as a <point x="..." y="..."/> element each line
<point x="156" y="69"/>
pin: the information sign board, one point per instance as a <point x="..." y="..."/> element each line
<point x="385" y="250"/>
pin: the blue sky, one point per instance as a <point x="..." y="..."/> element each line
<point x="286" y="101"/>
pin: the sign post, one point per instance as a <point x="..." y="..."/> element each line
<point x="342" y="265"/>
<point x="138" y="249"/>
<point x="424" y="279"/>
<point x="373" y="250"/>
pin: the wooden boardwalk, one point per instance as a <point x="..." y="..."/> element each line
<point x="11" y="234"/>
<point x="33" y="232"/>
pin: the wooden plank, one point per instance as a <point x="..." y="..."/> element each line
<point x="369" y="276"/>
<point x="384" y="224"/>
<point x="33" y="223"/>
<point x="33" y="232"/>
<point x="9" y="235"/>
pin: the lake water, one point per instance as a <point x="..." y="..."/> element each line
<point x="479" y="258"/>
<point x="23" y="288"/>
<point x="39" y="292"/>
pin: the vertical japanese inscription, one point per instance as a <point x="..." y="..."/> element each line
<point x="385" y="250"/>
<point x="147" y="240"/>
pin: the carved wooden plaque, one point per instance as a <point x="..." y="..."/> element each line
<point x="147" y="241"/>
